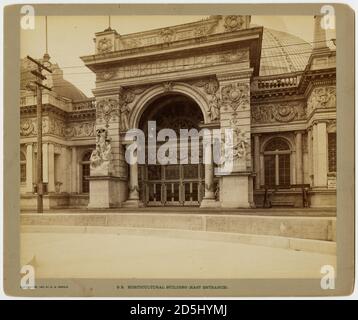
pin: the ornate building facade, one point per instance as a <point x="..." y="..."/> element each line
<point x="276" y="91"/>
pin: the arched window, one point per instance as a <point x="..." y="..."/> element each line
<point x="22" y="167"/>
<point x="277" y="155"/>
<point x="85" y="164"/>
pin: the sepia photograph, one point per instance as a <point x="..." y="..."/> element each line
<point x="194" y="148"/>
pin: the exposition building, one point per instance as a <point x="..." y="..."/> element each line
<point x="276" y="91"/>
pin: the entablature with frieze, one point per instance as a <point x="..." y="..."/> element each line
<point x="110" y="41"/>
<point x="57" y="127"/>
<point x="278" y="112"/>
<point x="53" y="111"/>
<point x="191" y="49"/>
<point x="198" y="30"/>
<point x="172" y="64"/>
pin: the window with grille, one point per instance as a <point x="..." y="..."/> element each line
<point x="277" y="155"/>
<point x="332" y="165"/>
<point x="22" y="167"/>
<point x="85" y="171"/>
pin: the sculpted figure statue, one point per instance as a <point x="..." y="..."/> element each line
<point x="101" y="157"/>
<point x="124" y="112"/>
<point x="214" y="110"/>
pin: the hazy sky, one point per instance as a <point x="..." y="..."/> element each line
<point x="70" y="37"/>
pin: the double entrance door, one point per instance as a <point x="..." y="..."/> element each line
<point x="172" y="185"/>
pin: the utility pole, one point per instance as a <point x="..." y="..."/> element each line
<point x="39" y="86"/>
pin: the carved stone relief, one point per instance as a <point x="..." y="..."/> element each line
<point x="82" y="129"/>
<point x="233" y="23"/>
<point x="322" y="97"/>
<point x="28" y="127"/>
<point x="181" y="63"/>
<point x="211" y="88"/>
<point x="106" y="74"/>
<point x="167" y="35"/>
<point x="106" y="110"/>
<point x="101" y="157"/>
<point x="281" y="112"/>
<point x="235" y="96"/>
<point x="240" y="145"/>
<point x="104" y="45"/>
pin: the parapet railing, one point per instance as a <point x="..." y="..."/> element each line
<point x="84" y="105"/>
<point x="276" y="82"/>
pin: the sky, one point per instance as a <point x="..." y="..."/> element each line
<point x="70" y="37"/>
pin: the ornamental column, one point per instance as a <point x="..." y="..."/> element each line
<point x="133" y="198"/>
<point x="320" y="154"/>
<point x="309" y="149"/>
<point x="209" y="195"/>
<point x="299" y="172"/>
<point x="29" y="158"/>
<point x="45" y="163"/>
<point x="257" y="161"/>
<point x="74" y="170"/>
<point x="51" y="168"/>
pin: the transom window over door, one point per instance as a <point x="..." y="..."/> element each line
<point x="277" y="155"/>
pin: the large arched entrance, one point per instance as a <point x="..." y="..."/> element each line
<point x="178" y="184"/>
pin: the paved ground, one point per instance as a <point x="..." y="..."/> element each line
<point x="91" y="255"/>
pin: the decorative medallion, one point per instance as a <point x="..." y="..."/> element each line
<point x="235" y="95"/>
<point x="233" y="23"/>
<point x="106" y="109"/>
<point x="104" y="45"/>
<point x="26" y="127"/>
<point x="167" y="35"/>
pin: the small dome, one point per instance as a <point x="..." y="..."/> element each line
<point x="283" y="52"/>
<point x="65" y="88"/>
<point x="55" y="80"/>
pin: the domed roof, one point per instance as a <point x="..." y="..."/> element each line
<point x="65" y="88"/>
<point x="283" y="52"/>
<point x="55" y="81"/>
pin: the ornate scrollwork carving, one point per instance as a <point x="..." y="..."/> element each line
<point x="26" y="127"/>
<point x="107" y="74"/>
<point x="104" y="45"/>
<point x="168" y="86"/>
<point x="284" y="112"/>
<point x="322" y="97"/>
<point x="235" y="96"/>
<point x="126" y="97"/>
<point x="106" y="109"/>
<point x="233" y="23"/>
<point x="211" y="87"/>
<point x="84" y="129"/>
<point x="167" y="35"/>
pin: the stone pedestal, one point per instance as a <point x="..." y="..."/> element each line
<point x="106" y="192"/>
<point x="235" y="192"/>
